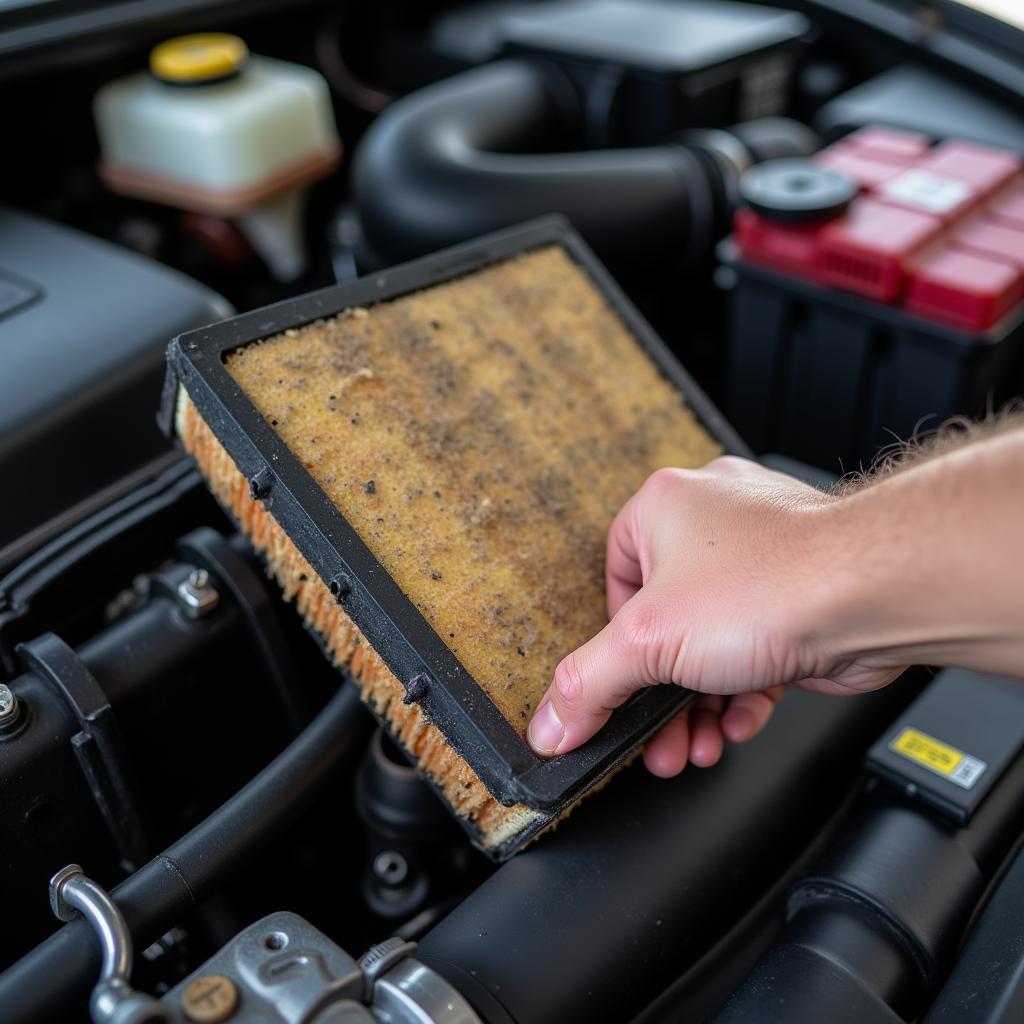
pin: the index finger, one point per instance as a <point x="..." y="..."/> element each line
<point x="623" y="572"/>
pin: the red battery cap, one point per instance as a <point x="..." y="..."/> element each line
<point x="861" y="165"/>
<point x="1008" y="206"/>
<point x="991" y="238"/>
<point x="984" y="169"/>
<point x="869" y="250"/>
<point x="963" y="289"/>
<point x="890" y="144"/>
<point x="786" y="246"/>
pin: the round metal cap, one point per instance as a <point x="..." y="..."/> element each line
<point x="796" y="190"/>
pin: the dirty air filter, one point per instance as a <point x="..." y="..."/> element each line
<point x="429" y="461"/>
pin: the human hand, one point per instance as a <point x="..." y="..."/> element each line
<point x="715" y="580"/>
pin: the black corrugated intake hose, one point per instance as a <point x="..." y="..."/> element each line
<point x="492" y="147"/>
<point x="874" y="924"/>
<point x="594" y="921"/>
<point x="60" y="971"/>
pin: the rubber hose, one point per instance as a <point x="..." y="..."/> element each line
<point x="60" y="971"/>
<point x="476" y="152"/>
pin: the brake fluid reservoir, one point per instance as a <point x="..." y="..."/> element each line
<point x="212" y="129"/>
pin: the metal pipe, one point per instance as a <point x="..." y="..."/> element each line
<point x="113" y="999"/>
<point x="71" y="891"/>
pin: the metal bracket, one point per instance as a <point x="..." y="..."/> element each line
<point x="282" y="968"/>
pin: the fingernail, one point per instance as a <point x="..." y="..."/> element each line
<point x="545" y="731"/>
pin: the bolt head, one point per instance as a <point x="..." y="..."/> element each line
<point x="10" y="709"/>
<point x="198" y="579"/>
<point x="197" y="595"/>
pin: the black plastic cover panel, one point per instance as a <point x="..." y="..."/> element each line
<point x="653" y="34"/>
<point x="83" y="330"/>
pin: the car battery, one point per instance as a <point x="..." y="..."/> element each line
<point x="879" y="290"/>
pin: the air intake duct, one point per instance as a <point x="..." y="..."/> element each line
<point x="495" y="146"/>
<point x="622" y="901"/>
<point x="874" y="925"/>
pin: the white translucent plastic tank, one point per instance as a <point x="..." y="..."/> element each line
<point x="210" y="128"/>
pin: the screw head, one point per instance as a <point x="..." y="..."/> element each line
<point x="209" y="999"/>
<point x="9" y="707"/>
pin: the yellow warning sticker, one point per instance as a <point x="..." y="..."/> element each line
<point x="938" y="757"/>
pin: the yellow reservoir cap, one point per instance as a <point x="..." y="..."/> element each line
<point x="203" y="57"/>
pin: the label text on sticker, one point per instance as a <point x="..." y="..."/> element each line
<point x="923" y="190"/>
<point x="940" y="758"/>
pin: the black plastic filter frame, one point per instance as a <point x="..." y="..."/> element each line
<point x="432" y="675"/>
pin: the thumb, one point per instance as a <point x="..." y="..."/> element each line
<point x="597" y="678"/>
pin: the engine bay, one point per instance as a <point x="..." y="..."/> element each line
<point x="804" y="222"/>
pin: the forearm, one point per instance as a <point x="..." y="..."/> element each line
<point x="927" y="565"/>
